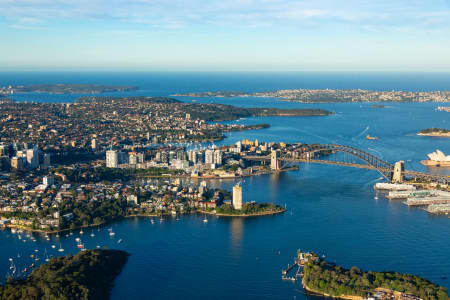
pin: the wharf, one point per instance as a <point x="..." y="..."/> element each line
<point x="285" y="272"/>
<point x="438" y="209"/>
<point x="423" y="201"/>
<point x="398" y="195"/>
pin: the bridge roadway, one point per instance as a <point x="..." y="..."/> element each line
<point x="416" y="174"/>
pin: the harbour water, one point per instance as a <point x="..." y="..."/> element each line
<point x="330" y="209"/>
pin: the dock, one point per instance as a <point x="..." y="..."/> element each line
<point x="285" y="272"/>
<point x="289" y="268"/>
<point x="438" y="209"/>
<point x="424" y="201"/>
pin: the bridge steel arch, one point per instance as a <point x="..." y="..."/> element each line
<point x="372" y="162"/>
<point x="376" y="163"/>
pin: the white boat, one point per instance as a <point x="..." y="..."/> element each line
<point x="60" y="248"/>
<point x="119" y="241"/>
<point x="92" y="234"/>
<point x="81" y="231"/>
<point x="205" y="220"/>
<point x="53" y="246"/>
<point x="77" y="239"/>
<point x="98" y="247"/>
<point x="112" y="233"/>
<point x="152" y="221"/>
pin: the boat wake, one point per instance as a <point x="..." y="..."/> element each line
<point x="362" y="132"/>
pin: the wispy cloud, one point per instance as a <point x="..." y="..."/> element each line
<point x="176" y="14"/>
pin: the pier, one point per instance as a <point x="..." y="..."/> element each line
<point x="285" y="272"/>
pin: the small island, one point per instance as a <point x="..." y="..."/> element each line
<point x="440" y="132"/>
<point x="62" y="88"/>
<point x="328" y="279"/>
<point x="86" y="275"/>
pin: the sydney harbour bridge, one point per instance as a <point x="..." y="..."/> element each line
<point x="341" y="155"/>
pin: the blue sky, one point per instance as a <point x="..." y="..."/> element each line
<point x="229" y="35"/>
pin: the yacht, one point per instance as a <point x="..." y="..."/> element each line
<point x="60" y="248"/>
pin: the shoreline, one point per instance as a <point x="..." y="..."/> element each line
<point x="435" y="134"/>
<point x="320" y="294"/>
<point x="198" y="212"/>
<point x="268" y="213"/>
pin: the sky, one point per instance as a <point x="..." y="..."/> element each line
<point x="225" y="35"/>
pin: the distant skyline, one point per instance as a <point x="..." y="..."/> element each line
<point x="230" y="35"/>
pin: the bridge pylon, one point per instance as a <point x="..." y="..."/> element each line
<point x="274" y="160"/>
<point x="398" y="175"/>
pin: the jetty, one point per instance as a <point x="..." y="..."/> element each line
<point x="299" y="262"/>
<point x="424" y="198"/>
<point x="438" y="208"/>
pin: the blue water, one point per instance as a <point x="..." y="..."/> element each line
<point x="330" y="209"/>
<point x="167" y="83"/>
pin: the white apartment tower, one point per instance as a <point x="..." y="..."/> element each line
<point x="218" y="155"/>
<point x="112" y="159"/>
<point x="237" y="196"/>
<point x="209" y="156"/>
<point x="33" y="157"/>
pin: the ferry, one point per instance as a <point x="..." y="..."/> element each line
<point x="371" y="137"/>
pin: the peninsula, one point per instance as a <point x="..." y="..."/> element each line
<point x="249" y="210"/>
<point x="333" y="95"/>
<point x="328" y="279"/>
<point x="86" y="275"/>
<point x="439" y="132"/>
<point x="66" y="89"/>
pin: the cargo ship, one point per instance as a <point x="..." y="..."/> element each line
<point x="437" y="159"/>
<point x="371" y="137"/>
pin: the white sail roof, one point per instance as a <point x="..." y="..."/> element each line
<point x="438" y="155"/>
